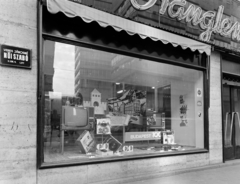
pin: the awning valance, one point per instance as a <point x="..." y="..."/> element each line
<point x="104" y="19"/>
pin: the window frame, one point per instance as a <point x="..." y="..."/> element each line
<point x="40" y="104"/>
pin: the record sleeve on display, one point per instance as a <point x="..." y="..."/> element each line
<point x="168" y="137"/>
<point x="86" y="141"/>
<point x="104" y="126"/>
<point x="114" y="144"/>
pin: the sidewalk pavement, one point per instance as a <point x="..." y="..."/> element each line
<point x="226" y="173"/>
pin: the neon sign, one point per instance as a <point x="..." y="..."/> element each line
<point x="209" y="21"/>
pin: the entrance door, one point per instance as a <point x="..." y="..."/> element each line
<point x="231" y="112"/>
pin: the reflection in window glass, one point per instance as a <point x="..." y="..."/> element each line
<point x="99" y="105"/>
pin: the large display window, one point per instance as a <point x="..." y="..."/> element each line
<point x="102" y="105"/>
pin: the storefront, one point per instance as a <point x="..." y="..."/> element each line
<point x="109" y="96"/>
<point x="121" y="93"/>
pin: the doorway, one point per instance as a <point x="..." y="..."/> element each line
<point x="231" y="121"/>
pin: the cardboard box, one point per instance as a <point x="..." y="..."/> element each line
<point x="86" y="141"/>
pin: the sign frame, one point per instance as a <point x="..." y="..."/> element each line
<point x="16" y="57"/>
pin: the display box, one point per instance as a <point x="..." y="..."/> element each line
<point x="104" y="126"/>
<point x="113" y="143"/>
<point x="86" y="142"/>
<point x="168" y="137"/>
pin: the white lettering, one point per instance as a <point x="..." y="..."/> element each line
<point x="193" y="14"/>
<point x="146" y="6"/>
<point x="164" y="5"/>
<point x="217" y="26"/>
<point x="210" y="21"/>
<point x="179" y="11"/>
<point x="156" y="134"/>
<point x="142" y="136"/>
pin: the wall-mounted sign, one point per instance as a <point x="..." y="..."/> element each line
<point x="209" y="21"/>
<point x="15" y="57"/>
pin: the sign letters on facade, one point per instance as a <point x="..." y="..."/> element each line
<point x="209" y="21"/>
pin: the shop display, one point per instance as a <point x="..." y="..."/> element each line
<point x="130" y="110"/>
<point x="137" y="120"/>
<point x="96" y="102"/>
<point x="75" y="116"/>
<point x="86" y="141"/>
<point x="131" y="102"/>
<point x="156" y="120"/>
<point x="183" y="110"/>
<point x="119" y="119"/>
<point x="168" y="137"/>
<point x="114" y="144"/>
<point x="104" y="126"/>
<point x="142" y="136"/>
<point x="127" y="148"/>
<point x="104" y="146"/>
<point x="123" y="106"/>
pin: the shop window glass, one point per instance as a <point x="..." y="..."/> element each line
<point x="102" y="105"/>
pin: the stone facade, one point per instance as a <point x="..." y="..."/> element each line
<point x="18" y="118"/>
<point x="215" y="110"/>
<point x="18" y="89"/>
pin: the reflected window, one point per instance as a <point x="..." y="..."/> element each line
<point x="104" y="105"/>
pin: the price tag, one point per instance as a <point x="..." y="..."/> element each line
<point x="128" y="148"/>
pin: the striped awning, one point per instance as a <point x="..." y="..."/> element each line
<point x="88" y="14"/>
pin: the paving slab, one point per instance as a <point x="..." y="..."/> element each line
<point x="226" y="173"/>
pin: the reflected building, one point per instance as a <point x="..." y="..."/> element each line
<point x="48" y="66"/>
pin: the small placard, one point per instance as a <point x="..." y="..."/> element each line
<point x="127" y="148"/>
<point x="15" y="57"/>
<point x="86" y="142"/>
<point x="104" y="146"/>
